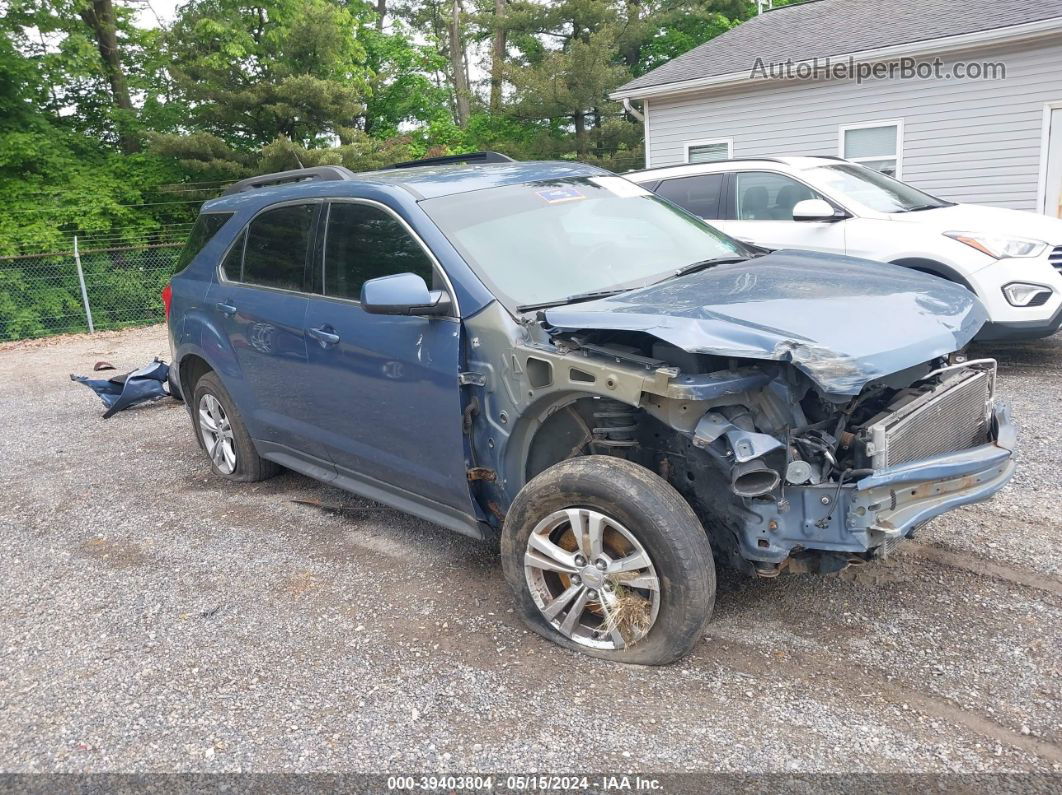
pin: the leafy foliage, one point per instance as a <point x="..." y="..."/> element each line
<point x="114" y="129"/>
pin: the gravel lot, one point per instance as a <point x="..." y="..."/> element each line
<point x="155" y="618"/>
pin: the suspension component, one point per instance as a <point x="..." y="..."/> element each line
<point x="614" y="425"/>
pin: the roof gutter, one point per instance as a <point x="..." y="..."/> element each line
<point x="1029" y="30"/>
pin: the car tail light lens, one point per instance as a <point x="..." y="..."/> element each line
<point x="167" y="299"/>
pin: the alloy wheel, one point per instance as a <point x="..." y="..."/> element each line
<point x="216" y="430"/>
<point x="592" y="579"/>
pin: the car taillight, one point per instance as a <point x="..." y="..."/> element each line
<point x="167" y="298"/>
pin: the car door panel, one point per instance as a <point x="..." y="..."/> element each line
<point x="387" y="397"/>
<point x="258" y="301"/>
<point x="265" y="332"/>
<point x="384" y="387"/>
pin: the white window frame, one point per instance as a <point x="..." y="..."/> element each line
<point x="1045" y="140"/>
<point x="709" y="142"/>
<point x="863" y="125"/>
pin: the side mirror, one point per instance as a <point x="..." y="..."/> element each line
<point x="815" y="210"/>
<point x="403" y="294"/>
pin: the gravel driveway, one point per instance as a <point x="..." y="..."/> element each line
<point x="157" y="618"/>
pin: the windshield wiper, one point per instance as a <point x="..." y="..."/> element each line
<point x="685" y="270"/>
<point x="701" y="265"/>
<point x="573" y="299"/>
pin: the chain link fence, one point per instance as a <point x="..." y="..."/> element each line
<point x="99" y="283"/>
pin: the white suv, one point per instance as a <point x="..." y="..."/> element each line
<point x="1012" y="260"/>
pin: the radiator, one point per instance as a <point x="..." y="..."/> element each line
<point x="953" y="416"/>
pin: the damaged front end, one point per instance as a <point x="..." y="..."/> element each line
<point x="860" y="475"/>
<point x="796" y="455"/>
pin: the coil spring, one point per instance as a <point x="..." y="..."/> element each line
<point x="614" y="425"/>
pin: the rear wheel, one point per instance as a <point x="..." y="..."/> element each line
<point x="224" y="437"/>
<point x="606" y="558"/>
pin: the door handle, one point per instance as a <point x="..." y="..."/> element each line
<point x="226" y="309"/>
<point x="325" y="336"/>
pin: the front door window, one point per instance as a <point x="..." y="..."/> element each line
<point x="766" y="196"/>
<point x="363" y="242"/>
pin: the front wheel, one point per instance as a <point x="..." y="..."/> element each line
<point x="608" y="559"/>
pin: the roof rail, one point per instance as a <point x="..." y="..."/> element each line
<point x="295" y="175"/>
<point x="470" y="157"/>
<point x="707" y="163"/>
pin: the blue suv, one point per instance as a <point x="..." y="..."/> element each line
<point x="551" y="358"/>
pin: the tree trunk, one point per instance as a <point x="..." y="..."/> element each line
<point x="497" y="56"/>
<point x="630" y="50"/>
<point x="457" y="65"/>
<point x="99" y="16"/>
<point x="580" y="134"/>
<point x="381" y="12"/>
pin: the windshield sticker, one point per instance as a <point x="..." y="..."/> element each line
<point x="618" y="186"/>
<point x="558" y="195"/>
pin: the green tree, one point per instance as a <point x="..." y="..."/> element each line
<point x="251" y="73"/>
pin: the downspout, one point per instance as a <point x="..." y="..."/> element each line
<point x="637" y="114"/>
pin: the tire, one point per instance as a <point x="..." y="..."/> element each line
<point x="643" y="507"/>
<point x="247" y="466"/>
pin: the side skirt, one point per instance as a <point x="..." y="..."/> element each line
<point x="377" y="490"/>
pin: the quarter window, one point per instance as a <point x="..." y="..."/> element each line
<point x="363" y="242"/>
<point x="205" y="227"/>
<point x="699" y="195"/>
<point x="766" y="196"/>
<point x="278" y="243"/>
<point x="875" y="146"/>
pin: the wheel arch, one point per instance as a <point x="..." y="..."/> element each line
<point x="935" y="268"/>
<point x="191" y="368"/>
<point x="545" y="426"/>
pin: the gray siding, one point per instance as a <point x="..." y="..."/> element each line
<point x="964" y="140"/>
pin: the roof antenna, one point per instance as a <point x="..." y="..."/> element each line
<point x="296" y="156"/>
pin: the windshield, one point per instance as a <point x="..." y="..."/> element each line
<point x="546" y="241"/>
<point x="872" y="189"/>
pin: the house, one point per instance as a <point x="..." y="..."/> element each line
<point x="962" y="98"/>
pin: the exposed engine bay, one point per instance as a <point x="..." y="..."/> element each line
<point x="783" y="475"/>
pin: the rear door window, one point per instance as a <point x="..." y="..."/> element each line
<point x="699" y="194"/>
<point x="363" y="242"/>
<point x="277" y="248"/>
<point x="233" y="261"/>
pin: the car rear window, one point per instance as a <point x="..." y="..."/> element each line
<point x="204" y="228"/>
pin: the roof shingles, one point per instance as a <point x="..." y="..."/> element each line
<point x="822" y="28"/>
